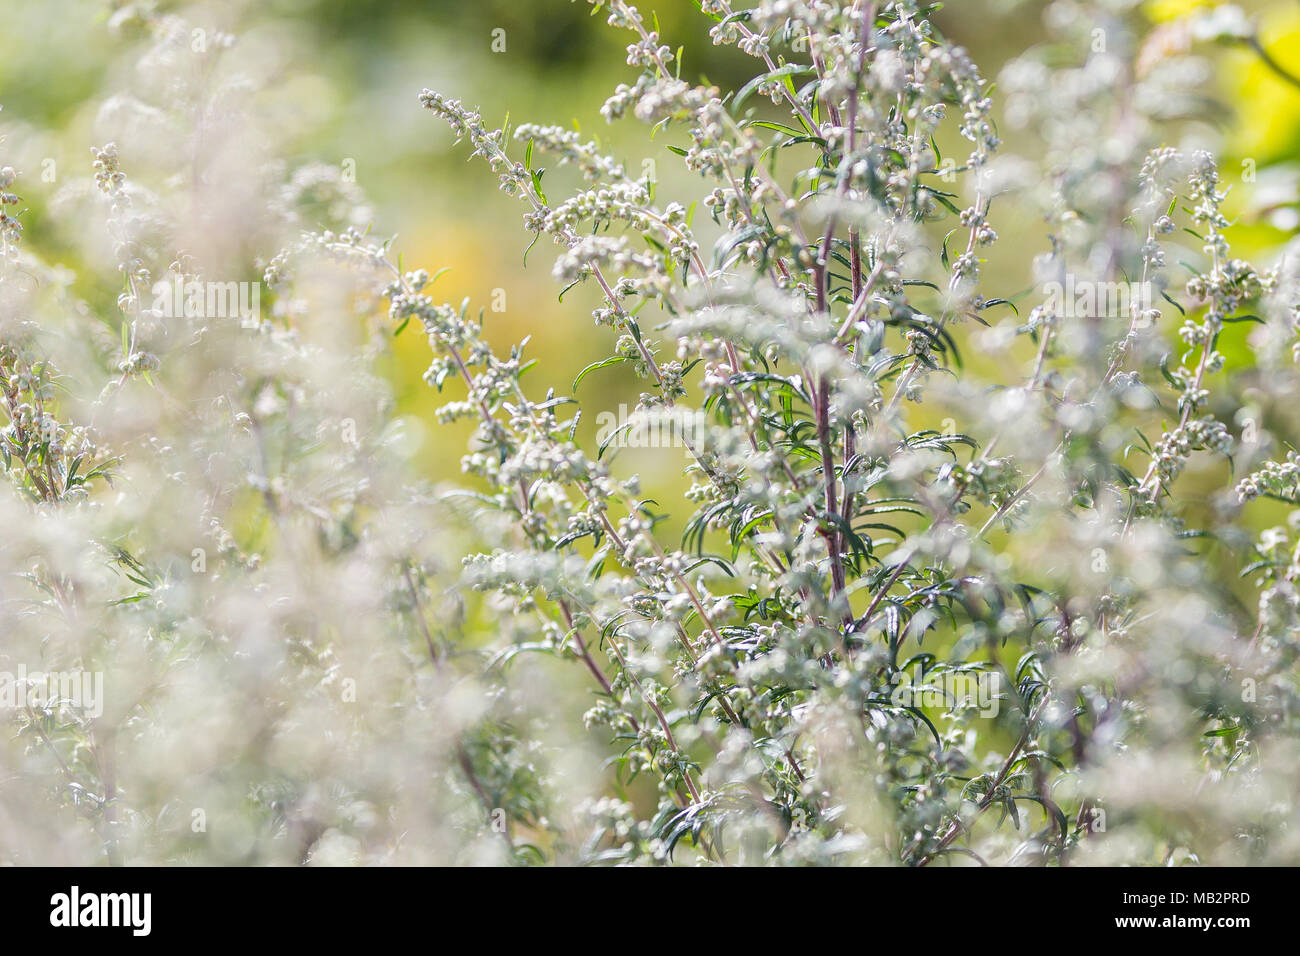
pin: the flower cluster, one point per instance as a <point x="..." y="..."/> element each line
<point x="753" y="664"/>
<point x="912" y="461"/>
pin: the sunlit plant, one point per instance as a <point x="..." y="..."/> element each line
<point x="842" y="545"/>
<point x="975" y="566"/>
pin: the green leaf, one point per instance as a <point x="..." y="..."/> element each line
<point x="791" y="69"/>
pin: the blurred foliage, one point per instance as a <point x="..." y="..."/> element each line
<point x="341" y="77"/>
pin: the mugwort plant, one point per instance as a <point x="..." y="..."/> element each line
<point x="972" y="560"/>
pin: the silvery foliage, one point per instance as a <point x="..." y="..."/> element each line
<point x="906" y="478"/>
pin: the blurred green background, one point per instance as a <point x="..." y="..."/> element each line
<point x="344" y="78"/>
